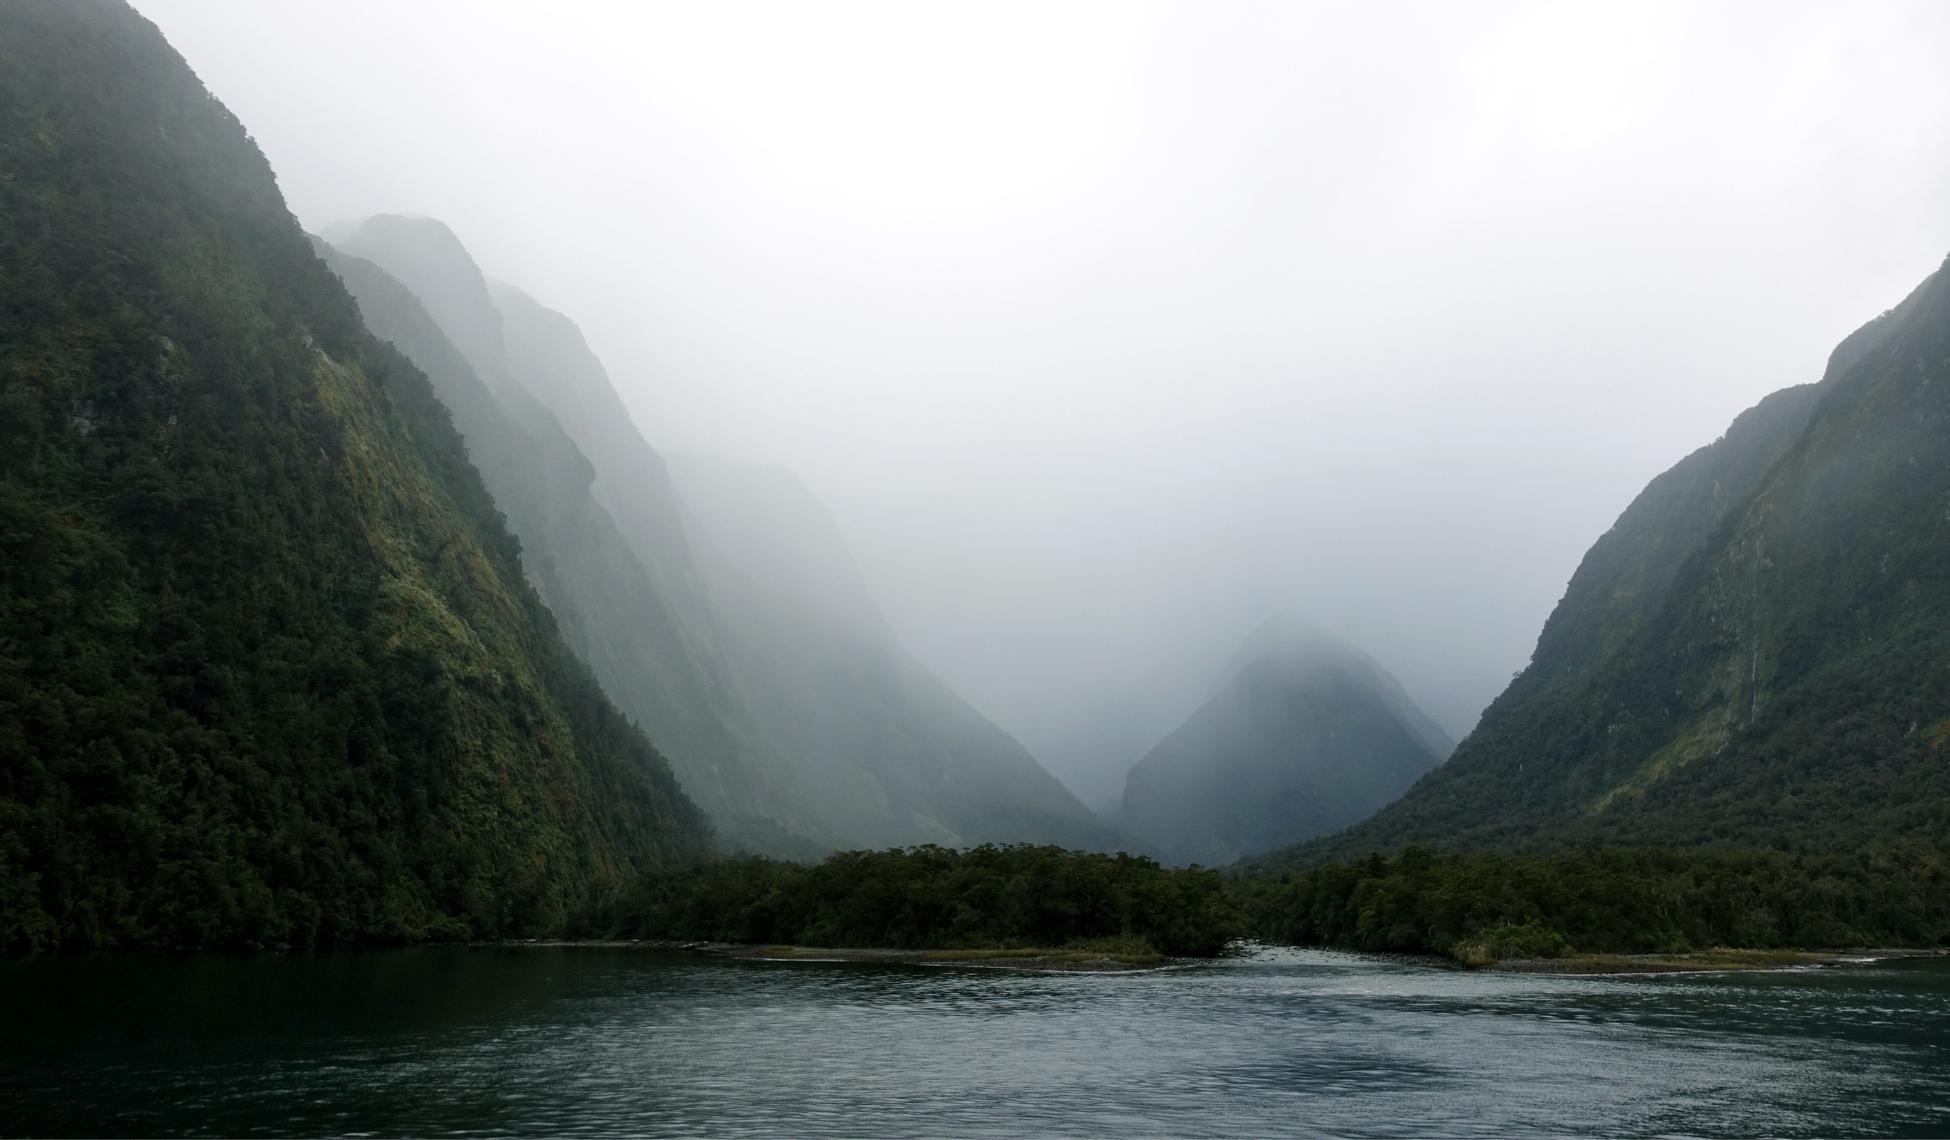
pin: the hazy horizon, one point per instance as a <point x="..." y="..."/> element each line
<point x="1106" y="331"/>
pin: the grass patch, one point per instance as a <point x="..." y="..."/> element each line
<point x="1510" y="940"/>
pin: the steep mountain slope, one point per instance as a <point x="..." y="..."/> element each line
<point x="1308" y="736"/>
<point x="769" y="529"/>
<point x="548" y="351"/>
<point x="796" y="723"/>
<point x="633" y="630"/>
<point x="269" y="668"/>
<point x="1759" y="650"/>
<point x="882" y="751"/>
<point x="889" y="751"/>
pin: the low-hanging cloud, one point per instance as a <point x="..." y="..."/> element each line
<point x="1107" y="329"/>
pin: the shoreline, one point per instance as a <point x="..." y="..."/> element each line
<point x="1034" y="959"/>
<point x="1716" y="961"/>
<point x="1084" y="960"/>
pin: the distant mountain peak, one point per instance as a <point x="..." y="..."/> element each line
<point x="1307" y="735"/>
<point x="426" y="256"/>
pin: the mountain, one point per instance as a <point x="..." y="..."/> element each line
<point x="726" y="616"/>
<point x="270" y="669"/>
<point x="1307" y="736"/>
<point x="645" y="638"/>
<point x="880" y="751"/>
<point x="889" y="752"/>
<point x="772" y="532"/>
<point x="631" y="479"/>
<point x="1758" y="652"/>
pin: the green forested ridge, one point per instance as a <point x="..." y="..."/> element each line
<point x="933" y="898"/>
<point x="1308" y="736"/>
<point x="1482" y="906"/>
<point x="1758" y="653"/>
<point x="269" y="669"/>
<point x="1475" y="907"/>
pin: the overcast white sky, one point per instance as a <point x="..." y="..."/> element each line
<point x="1106" y="329"/>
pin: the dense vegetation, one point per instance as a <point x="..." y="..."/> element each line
<point x="1757" y="653"/>
<point x="1481" y="906"/>
<point x="270" y="670"/>
<point x="1308" y="736"/>
<point x="1475" y="907"/>
<point x="932" y="897"/>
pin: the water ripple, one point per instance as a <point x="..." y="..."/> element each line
<point x="580" y="1042"/>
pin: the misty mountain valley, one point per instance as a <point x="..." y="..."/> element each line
<point x="861" y="569"/>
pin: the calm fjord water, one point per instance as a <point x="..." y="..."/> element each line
<point x="578" y="1040"/>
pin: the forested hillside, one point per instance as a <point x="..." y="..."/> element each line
<point x="1480" y="907"/>
<point x="270" y="670"/>
<point x="1758" y="653"/>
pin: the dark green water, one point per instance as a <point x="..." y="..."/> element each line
<point x="551" y="1041"/>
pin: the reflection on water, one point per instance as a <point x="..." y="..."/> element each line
<point x="557" y="1040"/>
